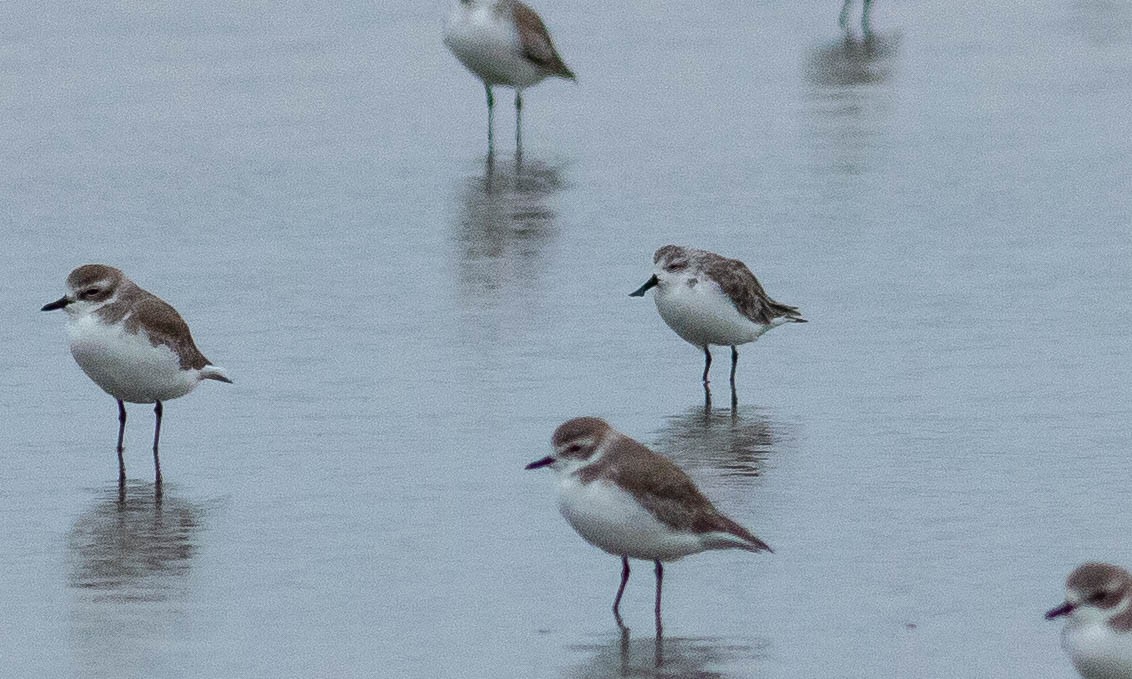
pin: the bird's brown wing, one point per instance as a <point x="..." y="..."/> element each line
<point x="536" y="43"/>
<point x="737" y="281"/>
<point x="165" y="327"/>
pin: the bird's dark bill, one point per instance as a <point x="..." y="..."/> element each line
<point x="1064" y="609"/>
<point x="57" y="304"/>
<point x="640" y="292"/>
<point x="544" y="462"/>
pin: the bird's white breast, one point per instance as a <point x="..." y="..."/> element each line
<point x="488" y="45"/>
<point x="702" y="314"/>
<point x="612" y="520"/>
<point x="127" y="366"/>
<point x="1097" y="650"/>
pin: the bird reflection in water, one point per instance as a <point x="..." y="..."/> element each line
<point x="505" y="221"/>
<point x="666" y="657"/>
<point x="130" y="556"/>
<point x="731" y="443"/>
<point x="852" y="61"/>
<point x="849" y="107"/>
<point x="134" y="544"/>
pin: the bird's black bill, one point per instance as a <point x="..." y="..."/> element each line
<point x="1064" y="609"/>
<point x="544" y="462"/>
<point x="640" y="292"/>
<point x="57" y="304"/>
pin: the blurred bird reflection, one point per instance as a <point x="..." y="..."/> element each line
<point x="648" y="656"/>
<point x="504" y="221"/>
<point x="130" y="558"/>
<point x="725" y="442"/>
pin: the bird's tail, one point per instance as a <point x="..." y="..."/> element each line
<point x="214" y="372"/>
<point x="786" y="313"/>
<point x="730" y="535"/>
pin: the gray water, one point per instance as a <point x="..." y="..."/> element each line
<point x="948" y="204"/>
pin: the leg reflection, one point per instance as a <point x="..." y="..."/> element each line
<point x="518" y="126"/>
<point x="625" y="655"/>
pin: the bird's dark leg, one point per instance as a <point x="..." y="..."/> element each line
<point x="157" y="409"/>
<point x="518" y="124"/>
<point x="490" y="120"/>
<point x="707" y="363"/>
<point x="734" y="363"/>
<point x="121" y="440"/>
<point x="620" y="591"/>
<point x="843" y="18"/>
<point x="866" y="27"/>
<point x="659" y="582"/>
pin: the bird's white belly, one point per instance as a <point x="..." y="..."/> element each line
<point x="612" y="520"/>
<point x="490" y="48"/>
<point x="702" y="314"/>
<point x="1098" y="652"/>
<point x="127" y="366"/>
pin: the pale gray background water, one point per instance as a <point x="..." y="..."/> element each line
<point x="930" y="456"/>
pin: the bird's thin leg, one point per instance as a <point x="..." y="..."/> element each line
<point x="518" y="124"/>
<point x="659" y="582"/>
<point x="157" y="409"/>
<point x="707" y="363"/>
<point x="121" y="439"/>
<point x="866" y="27"/>
<point x="734" y="362"/>
<point x="843" y="19"/>
<point x="490" y="120"/>
<point x="620" y="591"/>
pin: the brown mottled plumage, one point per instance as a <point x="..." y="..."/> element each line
<point x="709" y="300"/>
<point x="1102" y="586"/>
<point x="601" y="469"/>
<point x="734" y="278"/>
<point x="662" y="488"/>
<point x="503" y="42"/>
<point x="536" y="43"/>
<point x="132" y="344"/>
<point x="143" y="312"/>
<point x="1097" y="634"/>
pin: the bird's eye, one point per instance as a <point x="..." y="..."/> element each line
<point x="574" y="447"/>
<point x="677" y="266"/>
<point x="1098" y="596"/>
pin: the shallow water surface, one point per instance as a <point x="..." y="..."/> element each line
<point x="947" y="202"/>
